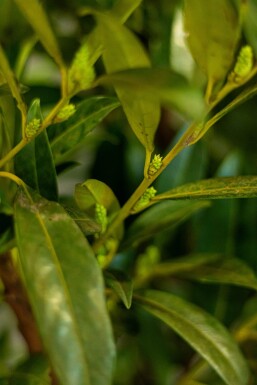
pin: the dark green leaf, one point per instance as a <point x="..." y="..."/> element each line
<point x="65" y="287"/>
<point x="121" y="284"/>
<point x="34" y="163"/>
<point x="37" y="17"/>
<point x="72" y="133"/>
<point x="213" y="32"/>
<point x="202" y="331"/>
<point x="250" y="22"/>
<point x="217" y="188"/>
<point x="160" y="218"/>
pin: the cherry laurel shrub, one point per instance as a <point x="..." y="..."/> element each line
<point x="125" y="272"/>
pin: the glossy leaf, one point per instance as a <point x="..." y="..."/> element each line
<point x="121" y="284"/>
<point x="34" y="163"/>
<point x="160" y="218"/>
<point x="167" y="86"/>
<point x="213" y="32"/>
<point x="217" y="188"/>
<point x="122" y="50"/>
<point x="65" y="287"/>
<point x="71" y="133"/>
<point x="37" y="17"/>
<point x="201" y="330"/>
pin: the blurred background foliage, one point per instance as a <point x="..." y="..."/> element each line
<point x="148" y="352"/>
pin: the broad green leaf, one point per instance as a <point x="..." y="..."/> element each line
<point x="65" y="288"/>
<point x="208" y="268"/>
<point x="216" y="188"/>
<point x="71" y="133"/>
<point x="167" y="86"/>
<point x="213" y="32"/>
<point x="121" y="284"/>
<point x="34" y="163"/>
<point x="122" y="50"/>
<point x="93" y="191"/>
<point x="159" y="218"/>
<point x="202" y="331"/>
<point x="37" y="17"/>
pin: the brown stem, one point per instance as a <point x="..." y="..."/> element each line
<point x="16" y="297"/>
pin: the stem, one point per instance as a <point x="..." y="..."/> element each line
<point x="48" y="120"/>
<point x="126" y="209"/>
<point x="13" y="152"/>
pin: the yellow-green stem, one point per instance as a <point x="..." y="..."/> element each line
<point x="126" y="209"/>
<point x="11" y="154"/>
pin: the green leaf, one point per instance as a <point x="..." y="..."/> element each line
<point x="160" y="218"/>
<point x="208" y="268"/>
<point x="213" y="32"/>
<point x="121" y="284"/>
<point x="37" y="17"/>
<point x="216" y="188"/>
<point x="93" y="191"/>
<point x="86" y="224"/>
<point x="230" y="271"/>
<point x="167" y="87"/>
<point x="202" y="331"/>
<point x="122" y="50"/>
<point x="65" y="288"/>
<point x="71" y="133"/>
<point x="34" y="163"/>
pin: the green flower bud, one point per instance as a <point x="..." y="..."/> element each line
<point x="244" y="64"/>
<point x="32" y="128"/>
<point x="145" y="198"/>
<point x="155" y="165"/>
<point x="65" y="113"/>
<point x="81" y="73"/>
<point x="101" y="216"/>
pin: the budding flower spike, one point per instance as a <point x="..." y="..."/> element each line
<point x="244" y="64"/>
<point x="101" y="216"/>
<point x="155" y="165"/>
<point x="65" y="113"/>
<point x="145" y="199"/>
<point x="32" y="128"/>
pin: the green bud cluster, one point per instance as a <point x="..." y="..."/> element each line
<point x="81" y="73"/>
<point x="65" y="113"/>
<point x="145" y="198"/>
<point x="155" y="165"/>
<point x="244" y="64"/>
<point x="32" y="128"/>
<point x="101" y="216"/>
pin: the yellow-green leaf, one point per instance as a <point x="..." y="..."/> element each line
<point x="37" y="17"/>
<point x="216" y="188"/>
<point x="213" y="31"/>
<point x="122" y="50"/>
